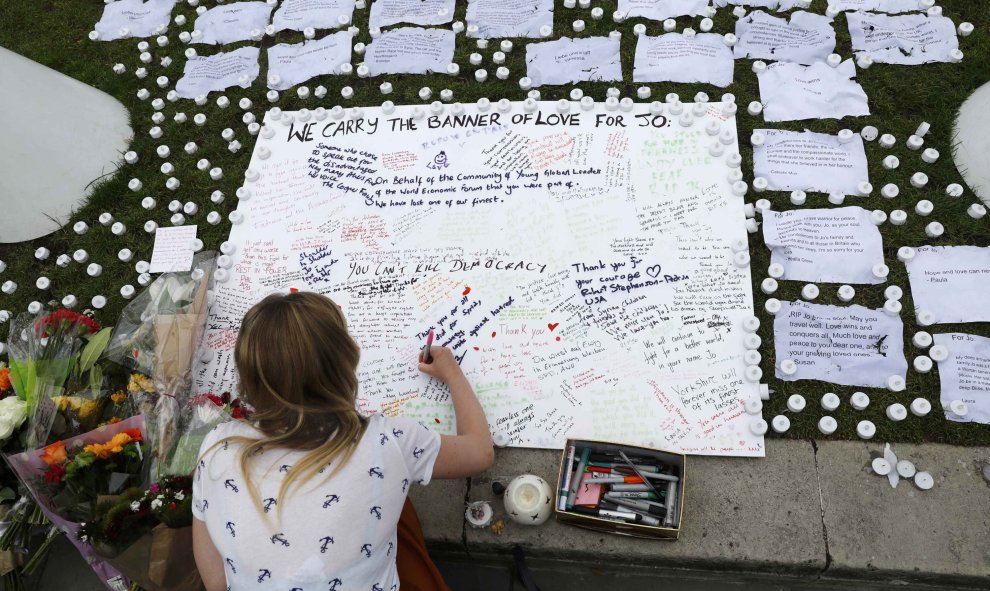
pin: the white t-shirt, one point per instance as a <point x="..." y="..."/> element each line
<point x="334" y="535"/>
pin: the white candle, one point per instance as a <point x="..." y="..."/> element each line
<point x="150" y="227"/>
<point x="752" y="341"/>
<point x="729" y="39"/>
<point x="830" y="401"/>
<point x="213" y="218"/>
<point x="505" y="46"/>
<point x="976" y="211"/>
<point x="919" y="180"/>
<point x="587" y="103"/>
<point x="781" y="424"/>
<point x="79" y="228"/>
<point x="758" y="427"/>
<point x="759" y="67"/>
<point x="934" y="230"/>
<point x="869" y="133"/>
<point x="760" y="184"/>
<point x="939" y="353"/>
<point x="920" y="407"/>
<point x="772" y="306"/>
<point x="833" y="60"/>
<point x="125" y="255"/>
<point x="8" y="287"/>
<point x="892" y="307"/>
<point x="954" y="190"/>
<point x="144" y="279"/>
<point x="930" y="155"/>
<point x="63" y="261"/>
<point x="866" y="430"/>
<point x="199" y="119"/>
<point x="890" y="191"/>
<point x="896" y="384"/>
<point x="896" y="412"/>
<point x="203" y="164"/>
<point x="859" y="400"/>
<point x="923" y="364"/>
<point x="216" y="173"/>
<point x="881" y="271"/>
<point x="827" y="425"/>
<point x="958" y="409"/>
<point x="41" y="253"/>
<point x="769" y="285"/>
<point x="752" y="357"/>
<point x="795" y="403"/>
<point x="924" y="207"/>
<point x="272" y="96"/>
<point x="69" y="301"/>
<point x="578" y="26"/>
<point x="94" y="270"/>
<point x="836" y="198"/>
<point x="887" y="141"/>
<point x="965" y="29"/>
<point x="810" y="291"/>
<point x="926" y="318"/>
<point x="846" y="293"/>
<point x="922" y="339"/>
<point x="753" y="406"/>
<point x="914" y="142"/>
<point x="788" y="367"/>
<point x="798" y="197"/>
<point x="757" y="139"/>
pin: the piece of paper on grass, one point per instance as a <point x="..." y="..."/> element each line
<point x="805" y="39"/>
<point x="133" y="18"/>
<point x="951" y="282"/>
<point x="676" y="58"/>
<point x="229" y="23"/>
<point x="297" y="15"/>
<point x="965" y="375"/>
<point x="295" y="64"/>
<point x="385" y="13"/>
<point x="509" y="18"/>
<point x="568" y="61"/>
<point x="173" y="251"/>
<point x="812" y="162"/>
<point x="909" y="39"/>
<point x="791" y="92"/>
<point x="410" y="50"/>
<point x="205" y="74"/>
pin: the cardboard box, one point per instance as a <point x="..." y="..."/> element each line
<point x="671" y="460"/>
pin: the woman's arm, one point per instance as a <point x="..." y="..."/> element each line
<point x="208" y="560"/>
<point x="470" y="451"/>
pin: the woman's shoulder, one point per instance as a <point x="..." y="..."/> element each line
<point x="228" y="429"/>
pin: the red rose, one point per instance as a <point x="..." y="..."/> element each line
<point x="54" y="474"/>
<point x="172" y="505"/>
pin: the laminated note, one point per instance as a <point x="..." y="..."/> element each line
<point x="951" y="282"/>
<point x="791" y="92"/>
<point x="509" y="18"/>
<point x="295" y="64"/>
<point x="909" y="39"/>
<point x="808" y="161"/>
<point x="807" y="38"/>
<point x="229" y="23"/>
<point x="204" y="74"/>
<point x="568" y="61"/>
<point x="965" y="375"/>
<point x="845" y="345"/>
<point x="676" y="58"/>
<point x="838" y="245"/>
<point x="418" y="12"/>
<point x="297" y="15"/>
<point x="410" y="50"/>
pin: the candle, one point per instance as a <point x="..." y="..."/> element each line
<point x="864" y="188"/>
<point x="739" y="188"/>
<point x="795" y="403"/>
<point x="752" y="358"/>
<point x="830" y="402"/>
<point x="759" y="67"/>
<point x="827" y="425"/>
<point x="481" y="43"/>
<point x="965" y="29"/>
<point x="729" y="39"/>
<point x="669" y="25"/>
<point x="546" y="31"/>
<point x="914" y="142"/>
<point x="772" y="306"/>
<point x="8" y="287"/>
<point x="920" y="407"/>
<point x="924" y="207"/>
<point x="866" y="430"/>
<point x="890" y="191"/>
<point x="905" y="254"/>
<point x="587" y="103"/>
<point x="752" y="226"/>
<point x="436" y="107"/>
<point x="145" y="57"/>
<point x="63" y="261"/>
<point x="923" y="364"/>
<point x="757" y="139"/>
<point x="896" y="412"/>
<point x="203" y="164"/>
<point x="570" y="3"/>
<point x="716" y="149"/>
<point x="505" y="46"/>
<point x="504" y="105"/>
<point x="881" y="271"/>
<point x="846" y="293"/>
<point x="79" y="228"/>
<point x="869" y="133"/>
<point x="752" y="341"/>
<point x="788" y="367"/>
<point x="762" y="205"/>
<point x="954" y="190"/>
<point x="69" y="301"/>
<point x="706" y="25"/>
<point x="190" y="52"/>
<point x="760" y="184"/>
<point x="798" y="197"/>
<point x="216" y="173"/>
<point x="769" y="285"/>
<point x="199" y="119"/>
<point x="887" y="141"/>
<point x="754" y="108"/>
<point x="457" y="27"/>
<point x="41" y="254"/>
<point x="836" y="198"/>
<point x="832" y="11"/>
<point x="934" y="230"/>
<point x="781" y="424"/>
<point x="578" y="26"/>
<point x="859" y="400"/>
<point x="141" y="73"/>
<point x="144" y="279"/>
<point x="926" y="318"/>
<point x="810" y="291"/>
<point x="892" y="307"/>
<point x="119" y="68"/>
<point x="895" y="384"/>
<point x="976" y="211"/>
<point x="833" y="60"/>
<point x="939" y="353"/>
<point x="150" y="227"/>
<point x="94" y="270"/>
<point x="501" y="73"/>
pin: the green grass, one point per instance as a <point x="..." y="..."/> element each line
<point x="55" y="34"/>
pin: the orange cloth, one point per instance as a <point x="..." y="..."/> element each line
<point x="413" y="563"/>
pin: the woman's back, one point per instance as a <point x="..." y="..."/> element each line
<point x="337" y="533"/>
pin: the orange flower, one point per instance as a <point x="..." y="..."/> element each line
<point x="118" y="397"/>
<point x="4" y="379"/>
<point x="99" y="450"/>
<point x="135" y="434"/>
<point x="54" y="454"/>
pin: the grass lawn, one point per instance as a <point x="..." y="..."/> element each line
<point x="54" y="33"/>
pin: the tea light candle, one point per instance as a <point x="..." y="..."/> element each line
<point x="729" y="39"/>
<point x="846" y="293"/>
<point x="890" y="191"/>
<point x="504" y="105"/>
<point x="881" y="271"/>
<point x="939" y="353"/>
<point x="919" y="180"/>
<point x="752" y="226"/>
<point x="758" y="427"/>
<point x="810" y="291"/>
<point x="892" y="307"/>
<point x="63" y="261"/>
<point x="781" y="424"/>
<point x="578" y="26"/>
<point x="926" y="318"/>
<point x="795" y="403"/>
<point x="798" y="197"/>
<point x="954" y="190"/>
<point x="199" y="119"/>
<point x="79" y="228"/>
<point x="920" y="407"/>
<point x="752" y="341"/>
<point x="481" y="43"/>
<point x="69" y="301"/>
<point x="769" y="285"/>
<point x="757" y="139"/>
<point x="934" y="230"/>
<point x="905" y="254"/>
<point x="141" y="73"/>
<point x="864" y="188"/>
<point x="788" y="367"/>
<point x="955" y="56"/>
<point x="924" y="207"/>
<point x="272" y="96"/>
<point x="887" y="141"/>
<point x="41" y="253"/>
<point x="94" y="270"/>
<point x="930" y="155"/>
<point x="235" y="217"/>
<point x="216" y="173"/>
<point x="119" y="68"/>
<point x="505" y="46"/>
<point x="893" y="292"/>
<point x="772" y="306"/>
<point x="965" y="29"/>
<point x="922" y="339"/>
<point x="866" y="430"/>
<point x="150" y="227"/>
<point x="827" y="425"/>
<point x="859" y="400"/>
<point x="144" y="279"/>
<point x="896" y="384"/>
<point x="501" y="73"/>
<point x="957" y="409"/>
<point x="8" y="287"/>
<point x="830" y="401"/>
<point x="118" y="229"/>
<point x="148" y="203"/>
<point x="922" y="364"/>
<point x="706" y="25"/>
<point x="759" y="67"/>
<point x="213" y="218"/>
<point x="836" y="198"/>
<point x="914" y="143"/>
<point x="546" y="31"/>
<point x="760" y="185"/>
<point x="976" y="211"/>
<point x="125" y="255"/>
<point x="896" y="412"/>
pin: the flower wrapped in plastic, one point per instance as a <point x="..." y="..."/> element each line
<point x="159" y="334"/>
<point x="199" y="417"/>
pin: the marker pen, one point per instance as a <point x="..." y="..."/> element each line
<point x="595" y="479"/>
<point x="425" y="356"/>
<point x="620" y="515"/>
<point x="669" y="519"/>
<point x="572" y="492"/>
<point x="633" y="495"/>
<point x="642" y="506"/>
<point x="660" y="476"/>
<point x="562" y="503"/>
<point x="630" y="487"/>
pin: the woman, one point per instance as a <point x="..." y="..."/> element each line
<point x="308" y="496"/>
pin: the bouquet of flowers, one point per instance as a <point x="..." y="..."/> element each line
<point x="199" y="417"/>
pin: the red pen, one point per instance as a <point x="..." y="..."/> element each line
<point x="425" y="356"/>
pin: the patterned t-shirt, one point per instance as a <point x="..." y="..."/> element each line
<point x="336" y="534"/>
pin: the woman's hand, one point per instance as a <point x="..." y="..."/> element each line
<point x="443" y="366"/>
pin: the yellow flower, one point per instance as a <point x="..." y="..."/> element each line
<point x="88" y="408"/>
<point x="118" y="397"/>
<point x="140" y="383"/>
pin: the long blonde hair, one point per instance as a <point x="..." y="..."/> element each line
<point x="297" y="367"/>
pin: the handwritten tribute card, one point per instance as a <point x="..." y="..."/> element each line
<point x="806" y="39"/>
<point x="568" y="61"/>
<point x="410" y="50"/>
<point x="824" y="245"/>
<point x="791" y="92"/>
<point x="965" y="375"/>
<point x="296" y="15"/>
<point x="229" y="23"/>
<point x="846" y="345"/>
<point x="808" y="161"/>
<point x="133" y="18"/>
<point x="295" y="64"/>
<point x="173" y="250"/>
<point x="509" y="18"/>
<point x="952" y="282"/>
<point x="205" y="74"/>
<point x="385" y="13"/>
<point x="659" y="11"/>
<point x="676" y="58"/>
<point x="579" y="266"/>
<point x="907" y="39"/>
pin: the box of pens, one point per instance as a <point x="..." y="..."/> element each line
<point x="622" y="489"/>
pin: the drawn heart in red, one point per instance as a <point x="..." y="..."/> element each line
<point x="477" y="348"/>
<point x="552" y="325"/>
<point x="467" y="290"/>
<point x="493" y="334"/>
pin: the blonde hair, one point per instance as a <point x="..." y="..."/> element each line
<point x="297" y="367"/>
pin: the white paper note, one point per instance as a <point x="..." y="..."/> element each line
<point x="812" y="162"/>
<point x="824" y="245"/>
<point x="676" y="58"/>
<point x="229" y="23"/>
<point x="173" y="250"/>
<point x="889" y="6"/>
<point x="204" y="74"/>
<point x="296" y="15"/>
<point x="909" y="39"/>
<point x="791" y="92"/>
<point x="952" y="282"/>
<point x="846" y="345"/>
<point x="140" y="19"/>
<point x="965" y="375"/>
<point x="806" y="39"/>
<point x="780" y="5"/>
<point x="410" y="50"/>
<point x="418" y="12"/>
<point x="658" y="11"/>
<point x="568" y="61"/>
<point x="509" y="18"/>
<point x="295" y="64"/>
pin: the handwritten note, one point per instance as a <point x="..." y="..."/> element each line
<point x="567" y="61"/>
<point x="295" y="64"/>
<point x="809" y="161"/>
<point x="580" y="294"/>
<point x="385" y="13"/>
<point x="824" y="245"/>
<point x="205" y="74"/>
<point x="229" y="23"/>
<point x="659" y="11"/>
<point x="296" y="15"/>
<point x="965" y="375"/>
<point x="950" y="282"/>
<point x="889" y="6"/>
<point x="410" y="50"/>
<point x="509" y="18"/>
<point x="850" y="346"/>
<point x="907" y="39"/>
<point x="173" y="251"/>
<point x="791" y="92"/>
<point x="676" y="58"/>
<point x="806" y="39"/>
<point x="780" y="5"/>
<point x="133" y="18"/>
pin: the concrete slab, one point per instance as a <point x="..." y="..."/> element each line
<point x="937" y="535"/>
<point x="59" y="135"/>
<point x="742" y="514"/>
<point x="440" y="506"/>
<point x="971" y="145"/>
